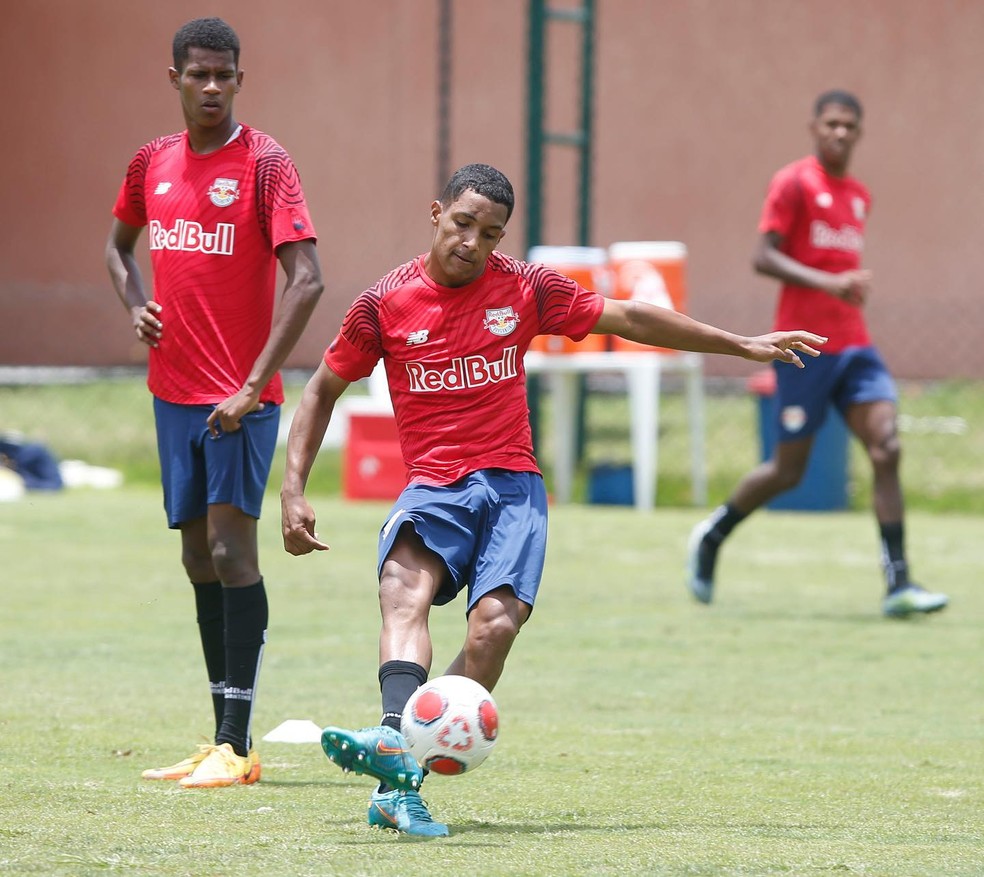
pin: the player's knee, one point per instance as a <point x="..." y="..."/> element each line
<point x="493" y="632"/>
<point x="887" y="453"/>
<point x="234" y="565"/>
<point x="402" y="591"/>
<point x="198" y="565"/>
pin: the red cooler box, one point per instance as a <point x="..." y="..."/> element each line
<point x="652" y="271"/>
<point x="374" y="466"/>
<point x="587" y="266"/>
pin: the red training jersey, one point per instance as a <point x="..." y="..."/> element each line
<point x="214" y="222"/>
<point x="821" y="219"/>
<point x="454" y="359"/>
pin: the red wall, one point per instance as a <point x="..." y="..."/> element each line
<point x="697" y="103"/>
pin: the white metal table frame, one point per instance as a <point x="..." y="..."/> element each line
<point x="642" y="371"/>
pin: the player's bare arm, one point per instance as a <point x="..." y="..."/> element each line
<point x="302" y="290"/>
<point x="850" y="286"/>
<point x="307" y="431"/>
<point x="660" y="327"/>
<point x="128" y="282"/>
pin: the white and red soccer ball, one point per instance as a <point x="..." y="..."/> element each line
<point x="451" y="724"/>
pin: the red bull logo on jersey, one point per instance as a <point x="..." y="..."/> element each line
<point x="190" y="237"/>
<point x="825" y="237"/>
<point x="500" y="321"/>
<point x="223" y="192"/>
<point x="463" y="373"/>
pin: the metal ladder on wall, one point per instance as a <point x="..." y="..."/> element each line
<point x="539" y="142"/>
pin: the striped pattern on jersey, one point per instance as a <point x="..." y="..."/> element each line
<point x="454" y="359"/>
<point x="214" y="222"/>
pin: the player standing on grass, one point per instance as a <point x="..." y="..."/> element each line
<point x="223" y="203"/>
<point x="452" y="327"/>
<point x="812" y="229"/>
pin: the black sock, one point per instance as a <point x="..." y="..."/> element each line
<point x="246" y="617"/>
<point x="211" y="629"/>
<point x="725" y="518"/>
<point x="397" y="681"/>
<point x="893" y="555"/>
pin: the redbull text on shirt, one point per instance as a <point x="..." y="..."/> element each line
<point x="464" y="372"/>
<point x="189" y="236"/>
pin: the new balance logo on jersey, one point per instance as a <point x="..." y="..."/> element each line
<point x="418" y="337"/>
<point x="162" y="188"/>
<point x="192" y="238"/>
<point x="463" y="373"/>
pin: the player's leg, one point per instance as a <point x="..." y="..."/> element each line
<point x="410" y="577"/>
<point x="801" y="401"/>
<point x="238" y="466"/>
<point x="509" y="558"/>
<point x="183" y="479"/>
<point x="767" y="480"/>
<point x="874" y="423"/>
<point x="867" y="397"/>
<point x="493" y="625"/>
<point x="209" y="608"/>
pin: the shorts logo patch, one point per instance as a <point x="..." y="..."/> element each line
<point x="793" y="418"/>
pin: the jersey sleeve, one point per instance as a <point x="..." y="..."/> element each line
<point x="281" y="207"/>
<point x="781" y="202"/>
<point x="564" y="307"/>
<point x="357" y="348"/>
<point x="131" y="202"/>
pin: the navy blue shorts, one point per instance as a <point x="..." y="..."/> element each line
<point x="854" y="376"/>
<point x="490" y="527"/>
<point x="198" y="471"/>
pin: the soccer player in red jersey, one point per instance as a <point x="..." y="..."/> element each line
<point x="812" y="235"/>
<point x="222" y="203"/>
<point x="452" y="327"/>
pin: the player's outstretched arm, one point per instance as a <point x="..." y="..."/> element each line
<point x="307" y="431"/>
<point x="660" y="327"/>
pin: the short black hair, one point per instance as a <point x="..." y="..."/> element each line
<point x="837" y="96"/>
<point x="483" y="179"/>
<point x="204" y="33"/>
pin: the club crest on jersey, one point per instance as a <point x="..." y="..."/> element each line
<point x="223" y="192"/>
<point x="500" y="321"/>
<point x="859" y="209"/>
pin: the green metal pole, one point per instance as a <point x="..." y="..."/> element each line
<point x="534" y="171"/>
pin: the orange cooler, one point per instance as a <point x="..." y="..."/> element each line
<point x="587" y="266"/>
<point x="652" y="271"/>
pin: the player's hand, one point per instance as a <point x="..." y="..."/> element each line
<point x="146" y="323"/>
<point x="852" y="286"/>
<point x="226" y="415"/>
<point x="784" y="346"/>
<point x="297" y="524"/>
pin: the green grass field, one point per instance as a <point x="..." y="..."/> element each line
<point x="786" y="730"/>
<point x="110" y="423"/>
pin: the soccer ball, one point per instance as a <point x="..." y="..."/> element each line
<point x="451" y="724"/>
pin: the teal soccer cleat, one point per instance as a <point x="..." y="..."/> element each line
<point x="404" y="812"/>
<point x="912" y="600"/>
<point x="380" y="752"/>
